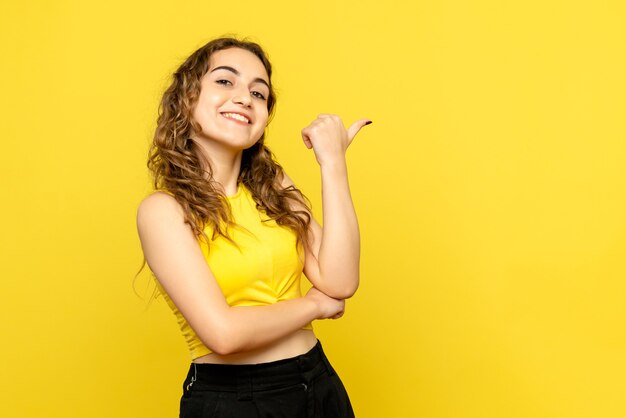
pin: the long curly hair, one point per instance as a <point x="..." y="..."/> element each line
<point x="179" y="166"/>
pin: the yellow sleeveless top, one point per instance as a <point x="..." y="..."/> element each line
<point x="265" y="269"/>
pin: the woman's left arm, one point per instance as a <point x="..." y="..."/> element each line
<point x="332" y="257"/>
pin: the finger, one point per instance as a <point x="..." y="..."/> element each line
<point x="356" y="127"/>
<point x="306" y="139"/>
<point x="339" y="315"/>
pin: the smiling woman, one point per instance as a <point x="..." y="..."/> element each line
<point x="232" y="109"/>
<point x="228" y="235"/>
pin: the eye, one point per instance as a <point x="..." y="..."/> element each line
<point x="223" y="82"/>
<point x="258" y="95"/>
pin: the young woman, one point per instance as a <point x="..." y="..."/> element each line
<point x="227" y="236"/>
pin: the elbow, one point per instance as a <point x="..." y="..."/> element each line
<point x="220" y="341"/>
<point x="224" y="347"/>
<point x="222" y="351"/>
<point x="339" y="283"/>
<point x="348" y="293"/>
<point x="221" y="347"/>
<point x="343" y="293"/>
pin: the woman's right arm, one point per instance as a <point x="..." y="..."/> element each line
<point x="174" y="256"/>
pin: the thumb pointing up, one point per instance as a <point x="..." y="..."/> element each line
<point x="356" y="127"/>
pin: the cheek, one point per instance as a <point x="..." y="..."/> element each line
<point x="205" y="108"/>
<point x="262" y="116"/>
<point x="260" y="129"/>
<point x="209" y="100"/>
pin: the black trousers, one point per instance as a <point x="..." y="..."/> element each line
<point x="305" y="386"/>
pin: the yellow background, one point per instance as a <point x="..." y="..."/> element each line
<point x="489" y="189"/>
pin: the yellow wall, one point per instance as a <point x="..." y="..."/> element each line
<point x="490" y="192"/>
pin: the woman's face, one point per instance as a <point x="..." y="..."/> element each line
<point x="232" y="107"/>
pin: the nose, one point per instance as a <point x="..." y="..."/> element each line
<point x="242" y="99"/>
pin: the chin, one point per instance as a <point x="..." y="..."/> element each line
<point x="241" y="145"/>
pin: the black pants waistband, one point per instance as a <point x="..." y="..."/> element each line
<point x="248" y="378"/>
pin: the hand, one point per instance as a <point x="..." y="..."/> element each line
<point x="328" y="307"/>
<point x="329" y="138"/>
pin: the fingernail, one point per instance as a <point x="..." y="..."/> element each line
<point x="368" y="122"/>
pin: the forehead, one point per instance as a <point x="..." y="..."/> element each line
<point x="244" y="61"/>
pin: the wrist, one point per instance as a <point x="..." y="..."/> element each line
<point x="334" y="165"/>
<point x="313" y="306"/>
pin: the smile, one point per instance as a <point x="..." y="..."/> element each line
<point x="236" y="116"/>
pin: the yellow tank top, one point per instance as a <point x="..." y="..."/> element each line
<point x="265" y="269"/>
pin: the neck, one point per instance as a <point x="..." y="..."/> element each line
<point x="225" y="163"/>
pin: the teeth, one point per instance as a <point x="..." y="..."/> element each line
<point x="236" y="116"/>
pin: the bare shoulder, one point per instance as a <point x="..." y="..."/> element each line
<point x="286" y="182"/>
<point x="158" y="201"/>
<point x="158" y="207"/>
<point x="161" y="218"/>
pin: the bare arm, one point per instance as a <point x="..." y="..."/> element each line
<point x="174" y="255"/>
<point x="332" y="259"/>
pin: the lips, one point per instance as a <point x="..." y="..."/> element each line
<point x="237" y="117"/>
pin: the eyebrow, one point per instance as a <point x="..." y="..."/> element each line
<point x="234" y="71"/>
